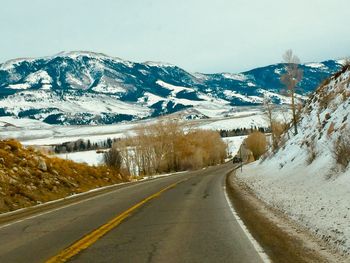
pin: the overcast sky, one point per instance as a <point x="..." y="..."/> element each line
<point x="198" y="35"/>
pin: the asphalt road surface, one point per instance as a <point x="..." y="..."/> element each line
<point x="189" y="222"/>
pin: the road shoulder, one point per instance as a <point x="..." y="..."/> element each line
<point x="281" y="238"/>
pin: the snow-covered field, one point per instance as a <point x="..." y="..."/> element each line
<point x="94" y="158"/>
<point x="233" y="144"/>
<point x="33" y="132"/>
<point x="315" y="192"/>
<point x="89" y="157"/>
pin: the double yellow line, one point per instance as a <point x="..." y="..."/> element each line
<point x="92" y="237"/>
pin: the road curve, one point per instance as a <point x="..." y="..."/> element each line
<point x="191" y="222"/>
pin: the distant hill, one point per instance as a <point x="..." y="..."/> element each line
<point x="92" y="88"/>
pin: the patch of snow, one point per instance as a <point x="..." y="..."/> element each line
<point x="109" y="86"/>
<point x="39" y="76"/>
<point x="239" y="77"/>
<point x="150" y="99"/>
<point x="233" y="144"/>
<point x="278" y="71"/>
<point x="233" y="94"/>
<point x="19" y="86"/>
<point x="315" y="65"/>
<point x="88" y="157"/>
<point x="158" y="64"/>
<point x="86" y="103"/>
<point x="92" y="55"/>
<point x="171" y="87"/>
<point x="23" y="122"/>
<point x="258" y="120"/>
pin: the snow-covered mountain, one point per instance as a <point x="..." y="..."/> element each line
<point x="309" y="177"/>
<point x="88" y="88"/>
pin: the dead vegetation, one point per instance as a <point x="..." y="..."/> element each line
<point x="291" y="78"/>
<point x="341" y="150"/>
<point x="311" y="152"/>
<point x="29" y="177"/>
<point x="168" y="146"/>
<point x="257" y="144"/>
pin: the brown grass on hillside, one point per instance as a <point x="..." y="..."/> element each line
<point x="28" y="177"/>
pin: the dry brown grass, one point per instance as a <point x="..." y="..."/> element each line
<point x="330" y="129"/>
<point x="312" y="153"/>
<point x="341" y="149"/>
<point x="256" y="143"/>
<point x="28" y="177"/>
<point x="278" y="129"/>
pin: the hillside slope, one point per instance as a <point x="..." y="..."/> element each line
<point x="28" y="177"/>
<point x="92" y="88"/>
<point x="309" y="178"/>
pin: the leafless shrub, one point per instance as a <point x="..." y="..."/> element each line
<point x="325" y="99"/>
<point x="112" y="158"/>
<point x="312" y="153"/>
<point x="345" y="95"/>
<point x="278" y="129"/>
<point x="341" y="150"/>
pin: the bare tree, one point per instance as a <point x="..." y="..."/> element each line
<point x="268" y="108"/>
<point x="113" y="158"/>
<point x="168" y="145"/>
<point x="290" y="79"/>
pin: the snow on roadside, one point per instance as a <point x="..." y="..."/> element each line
<point x="233" y="144"/>
<point x="303" y="193"/>
<point x="303" y="179"/>
<point x="88" y="157"/>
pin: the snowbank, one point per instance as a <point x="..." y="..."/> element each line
<point x="304" y="194"/>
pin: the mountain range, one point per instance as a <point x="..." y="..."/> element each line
<point x="91" y="88"/>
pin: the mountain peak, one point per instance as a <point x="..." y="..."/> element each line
<point x="88" y="87"/>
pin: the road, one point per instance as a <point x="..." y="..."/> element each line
<point x="189" y="222"/>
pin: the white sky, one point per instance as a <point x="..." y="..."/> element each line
<point x="198" y="35"/>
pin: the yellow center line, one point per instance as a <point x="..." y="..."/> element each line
<point x="92" y="237"/>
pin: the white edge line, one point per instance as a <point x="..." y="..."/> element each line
<point x="265" y="258"/>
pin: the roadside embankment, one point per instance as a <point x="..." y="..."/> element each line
<point x="29" y="177"/>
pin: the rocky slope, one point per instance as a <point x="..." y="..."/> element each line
<point x="29" y="177"/>
<point x="91" y="88"/>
